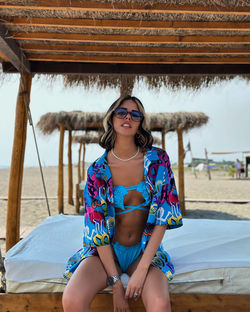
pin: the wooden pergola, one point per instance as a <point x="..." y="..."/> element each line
<point x="116" y="37"/>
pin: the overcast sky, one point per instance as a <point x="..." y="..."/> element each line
<point x="227" y="105"/>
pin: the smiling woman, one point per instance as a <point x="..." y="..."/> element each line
<point x="130" y="200"/>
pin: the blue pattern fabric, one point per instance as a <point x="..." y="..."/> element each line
<point x="126" y="255"/>
<point x="99" y="219"/>
<point x="120" y="191"/>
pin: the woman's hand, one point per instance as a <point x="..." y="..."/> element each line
<point x="135" y="284"/>
<point x="120" y="303"/>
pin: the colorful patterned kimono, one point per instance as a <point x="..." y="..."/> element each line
<point x="99" y="218"/>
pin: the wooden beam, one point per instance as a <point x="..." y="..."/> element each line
<point x="75" y="37"/>
<point x="83" y="162"/>
<point x="163" y="133"/>
<point x="70" y="175"/>
<point x="131" y="50"/>
<point x="181" y="191"/>
<point x="60" y="172"/>
<point x="103" y="303"/>
<point x="170" y="59"/>
<point x="16" y="170"/>
<point x="11" y="51"/>
<point x="3" y="57"/>
<point x="123" y="24"/>
<point x="79" y="163"/>
<point x="130" y="6"/>
<point x="132" y="69"/>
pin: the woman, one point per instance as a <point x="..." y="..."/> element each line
<point x="130" y="201"/>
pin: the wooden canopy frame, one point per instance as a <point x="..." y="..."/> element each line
<point x="123" y="37"/>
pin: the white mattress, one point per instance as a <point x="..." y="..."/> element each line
<point x="210" y="256"/>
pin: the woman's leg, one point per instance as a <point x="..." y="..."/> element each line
<point x="88" y="279"/>
<point x="155" y="293"/>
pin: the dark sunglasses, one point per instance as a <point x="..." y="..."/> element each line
<point x="122" y="112"/>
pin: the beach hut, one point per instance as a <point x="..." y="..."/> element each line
<point x="157" y="39"/>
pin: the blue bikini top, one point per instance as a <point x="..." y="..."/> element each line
<point x="120" y="191"/>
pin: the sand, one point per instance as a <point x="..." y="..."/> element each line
<point x="221" y="187"/>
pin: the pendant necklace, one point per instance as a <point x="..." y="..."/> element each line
<point x="126" y="159"/>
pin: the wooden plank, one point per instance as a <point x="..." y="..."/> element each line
<point x="103" y="303"/>
<point x="140" y="59"/>
<point x="228" y="201"/>
<point x="132" y="69"/>
<point x="123" y="24"/>
<point x="72" y="37"/>
<point x="132" y="50"/>
<point x="11" y="51"/>
<point x="210" y="303"/>
<point x="3" y="57"/>
<point x="129" y="6"/>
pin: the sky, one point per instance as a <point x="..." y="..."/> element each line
<point x="227" y="104"/>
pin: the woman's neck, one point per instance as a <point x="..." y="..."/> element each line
<point x="125" y="147"/>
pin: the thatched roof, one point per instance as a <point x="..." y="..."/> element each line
<point x="85" y="139"/>
<point x="88" y="139"/>
<point x="122" y="37"/>
<point x="77" y="120"/>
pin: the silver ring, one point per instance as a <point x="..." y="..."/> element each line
<point x="136" y="294"/>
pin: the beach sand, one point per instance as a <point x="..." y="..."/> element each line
<point x="34" y="211"/>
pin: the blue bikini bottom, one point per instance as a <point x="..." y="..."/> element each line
<point x="126" y="255"/>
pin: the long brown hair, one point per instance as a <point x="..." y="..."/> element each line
<point x="143" y="139"/>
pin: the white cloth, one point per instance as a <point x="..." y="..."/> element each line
<point x="199" y="244"/>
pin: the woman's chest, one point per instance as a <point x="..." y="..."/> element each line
<point x="127" y="175"/>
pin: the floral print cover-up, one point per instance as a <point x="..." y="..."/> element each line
<point x="99" y="218"/>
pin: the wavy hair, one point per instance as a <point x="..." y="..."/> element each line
<point x="143" y="139"/>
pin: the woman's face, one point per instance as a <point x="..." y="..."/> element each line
<point x="126" y="126"/>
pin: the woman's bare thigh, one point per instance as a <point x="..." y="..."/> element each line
<point x="155" y="292"/>
<point x="89" y="278"/>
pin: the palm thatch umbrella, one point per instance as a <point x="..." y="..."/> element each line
<point x="161" y="122"/>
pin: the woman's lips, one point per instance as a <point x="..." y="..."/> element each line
<point x="126" y="125"/>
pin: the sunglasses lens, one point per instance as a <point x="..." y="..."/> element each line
<point x="121" y="113"/>
<point x="136" y="116"/>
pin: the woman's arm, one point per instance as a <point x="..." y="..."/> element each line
<point x="138" y="277"/>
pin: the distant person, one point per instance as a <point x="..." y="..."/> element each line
<point x="131" y="200"/>
<point x="242" y="170"/>
<point x="238" y="168"/>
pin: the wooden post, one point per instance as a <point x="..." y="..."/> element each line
<point x="16" y="170"/>
<point x="181" y="171"/>
<point x="163" y="133"/>
<point x="83" y="162"/>
<point x="79" y="163"/>
<point x="77" y="202"/>
<point x="70" y="177"/>
<point x="208" y="169"/>
<point x="60" y="171"/>
<point x="83" y="169"/>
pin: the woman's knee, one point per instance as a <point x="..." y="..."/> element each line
<point x="74" y="302"/>
<point x="158" y="304"/>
